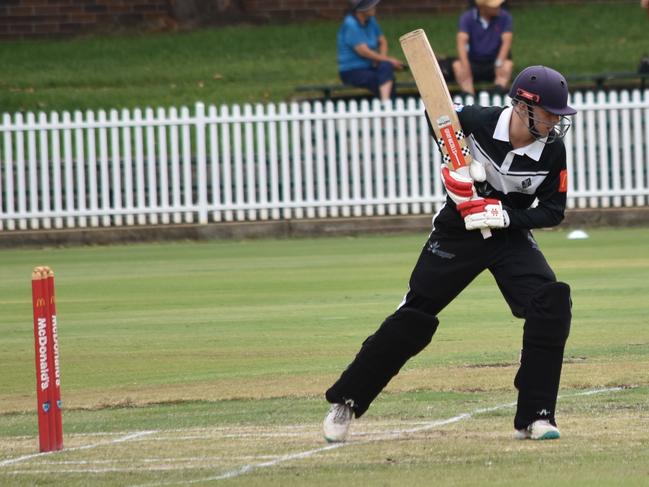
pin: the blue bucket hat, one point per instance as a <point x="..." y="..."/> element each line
<point x="363" y="4"/>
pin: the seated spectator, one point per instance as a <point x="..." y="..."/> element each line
<point x="363" y="51"/>
<point x="484" y="42"/>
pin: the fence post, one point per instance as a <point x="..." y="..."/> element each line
<point x="8" y="183"/>
<point x="201" y="163"/>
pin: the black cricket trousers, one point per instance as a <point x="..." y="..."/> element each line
<point x="448" y="262"/>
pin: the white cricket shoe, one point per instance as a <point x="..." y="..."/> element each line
<point x="538" y="430"/>
<point x="337" y="421"/>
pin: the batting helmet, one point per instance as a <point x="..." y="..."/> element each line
<point x="542" y="86"/>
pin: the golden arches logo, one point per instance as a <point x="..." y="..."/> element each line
<point x="40" y="302"/>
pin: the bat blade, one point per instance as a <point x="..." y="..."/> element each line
<point x="436" y="97"/>
<point x="437" y="100"/>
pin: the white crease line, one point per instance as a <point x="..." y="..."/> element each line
<point x="598" y="391"/>
<point x="382" y="436"/>
<point x="159" y="460"/>
<point x="170" y="468"/>
<point x="78" y="435"/>
<point x="294" y="456"/>
<point x="231" y="435"/>
<point x="248" y="468"/>
<point x="128" y="437"/>
<point x="266" y="428"/>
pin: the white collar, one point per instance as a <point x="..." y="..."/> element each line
<point x="533" y="150"/>
<point x="484" y="22"/>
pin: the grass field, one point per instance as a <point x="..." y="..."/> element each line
<point x="256" y="64"/>
<point x="205" y="363"/>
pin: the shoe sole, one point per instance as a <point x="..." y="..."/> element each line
<point x="332" y="440"/>
<point x="550" y="435"/>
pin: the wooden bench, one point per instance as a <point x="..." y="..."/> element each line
<point x="333" y="91"/>
<point x="605" y="80"/>
<point x="339" y="91"/>
<point x="600" y="81"/>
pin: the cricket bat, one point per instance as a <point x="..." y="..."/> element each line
<point x="437" y="100"/>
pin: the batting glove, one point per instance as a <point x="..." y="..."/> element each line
<point x="477" y="171"/>
<point x="458" y="186"/>
<point x="483" y="213"/>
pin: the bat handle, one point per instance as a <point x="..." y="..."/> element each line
<point x="486" y="232"/>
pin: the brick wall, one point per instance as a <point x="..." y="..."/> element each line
<point x="59" y="18"/>
<point x="289" y="10"/>
<point x="62" y="18"/>
<point x="334" y="9"/>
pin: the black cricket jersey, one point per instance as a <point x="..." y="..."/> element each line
<point x="517" y="177"/>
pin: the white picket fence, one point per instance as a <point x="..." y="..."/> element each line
<point x="280" y="161"/>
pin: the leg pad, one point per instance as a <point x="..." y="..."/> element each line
<point x="547" y="326"/>
<point x="401" y="336"/>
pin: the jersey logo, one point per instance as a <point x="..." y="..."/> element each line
<point x="563" y="181"/>
<point x="433" y="248"/>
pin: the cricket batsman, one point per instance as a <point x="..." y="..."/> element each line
<point x="520" y="176"/>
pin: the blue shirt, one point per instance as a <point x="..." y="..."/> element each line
<point x="485" y="39"/>
<point x="351" y="34"/>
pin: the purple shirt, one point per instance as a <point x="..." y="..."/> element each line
<point x="485" y="39"/>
